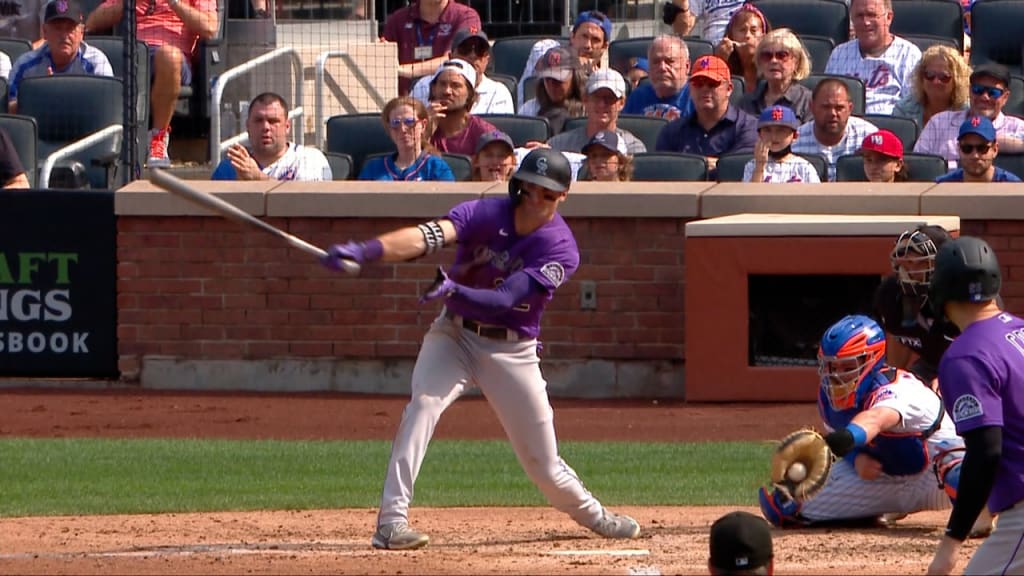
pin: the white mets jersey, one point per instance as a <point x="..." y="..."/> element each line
<point x="793" y="168"/>
<point x="887" y="78"/>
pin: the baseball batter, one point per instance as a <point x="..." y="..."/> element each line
<point x="512" y="254"/>
<point x="982" y="382"/>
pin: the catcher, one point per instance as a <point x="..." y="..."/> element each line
<point x="882" y="424"/>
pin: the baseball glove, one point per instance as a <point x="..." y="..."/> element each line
<point x="808" y="448"/>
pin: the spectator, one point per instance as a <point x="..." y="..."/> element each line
<point x="883" y="61"/>
<point x="738" y="47"/>
<point x="782" y="61"/>
<point x="741" y="543"/>
<point x="832" y="132"/>
<point x="540" y="48"/>
<point x="773" y="159"/>
<point x="716" y="127"/>
<point x="978" y="150"/>
<point x="452" y="97"/>
<point x="589" y="40"/>
<point x="407" y="121"/>
<point x="666" y="95"/>
<point x="12" y="173"/>
<point x="883" y="158"/>
<point x="472" y="46"/>
<point x="714" y="16"/>
<point x="23" y="19"/>
<point x="63" y="52"/>
<point x="171" y="29"/>
<point x="939" y="83"/>
<point x="559" y="91"/>
<point x="270" y="156"/>
<point x="605" y="95"/>
<point x="424" y="32"/>
<point x="989" y="92"/>
<point x="495" y="157"/>
<point x="608" y="159"/>
<point x="638" y="70"/>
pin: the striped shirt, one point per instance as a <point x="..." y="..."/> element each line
<point x="856" y="130"/>
<point x="39" y="62"/>
<point x="887" y="78"/>
<point x="940" y="135"/>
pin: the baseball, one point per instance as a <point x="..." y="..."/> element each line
<point x="797" y="472"/>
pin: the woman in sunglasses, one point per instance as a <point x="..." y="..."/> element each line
<point x="739" y="46"/>
<point x="408" y="124"/>
<point x="782" y="62"/>
<point x="939" y="83"/>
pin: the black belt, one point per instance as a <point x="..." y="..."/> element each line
<point x="490" y="331"/>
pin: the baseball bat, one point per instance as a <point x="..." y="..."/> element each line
<point x="180" y="188"/>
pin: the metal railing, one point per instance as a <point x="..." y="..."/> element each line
<point x="217" y="147"/>
<point x="74" y="148"/>
<point x="318" y="89"/>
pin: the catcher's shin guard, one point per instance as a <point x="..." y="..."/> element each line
<point x="779" y="509"/>
<point x="947" y="470"/>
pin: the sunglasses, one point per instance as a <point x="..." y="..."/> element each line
<point x="992" y="91"/>
<point x="769" y="55"/>
<point x="942" y="77"/>
<point x="970" y="148"/>
<point x="702" y="82"/>
<point x="399" y="122"/>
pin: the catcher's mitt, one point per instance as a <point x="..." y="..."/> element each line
<point x="809" y="449"/>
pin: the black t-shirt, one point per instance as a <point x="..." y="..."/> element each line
<point x="10" y="164"/>
<point x="914" y="325"/>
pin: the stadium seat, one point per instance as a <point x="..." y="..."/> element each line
<point x="3" y="101"/>
<point x="995" y="34"/>
<point x="509" y="55"/>
<point x="646" y="128"/>
<point x="14" y="47"/>
<point x="829" y="18"/>
<point x="1015" y="103"/>
<point x="620" y="51"/>
<point x="461" y="165"/>
<point x="942" y="18"/>
<point x="739" y="88"/>
<point x="359" y="136"/>
<point x="113" y="48"/>
<point x="209" y="62"/>
<point x="24" y="134"/>
<point x="855" y="86"/>
<point x="508" y="82"/>
<point x="819" y="48"/>
<point x="730" y="166"/>
<point x="669" y="166"/>
<point x="521" y="129"/>
<point x="698" y="47"/>
<point x="98" y="103"/>
<point x="850" y="168"/>
<point x="1011" y="162"/>
<point x="341" y="165"/>
<point x="926" y="41"/>
<point x="906" y="129"/>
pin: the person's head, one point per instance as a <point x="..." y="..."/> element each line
<point x="966" y="277"/>
<point x="978" y="147"/>
<point x="883" y="157"/>
<point x="740" y="543"/>
<point x="710" y="85"/>
<point x="831" y="108"/>
<point x="746" y="27"/>
<point x="495" y="157"/>
<point x="913" y="257"/>
<point x="851" y="351"/>
<point x="408" y="123"/>
<point x="268" y="125"/>
<point x="777" y="125"/>
<point x="557" y="72"/>
<point x="608" y="160"/>
<point x="871" y="20"/>
<point x="63" y="29"/>
<point x="604" y="97"/>
<point x="669" y="60"/>
<point x="636" y="70"/>
<point x="540" y="183"/>
<point x="990" y="89"/>
<point x="941" y="75"/>
<point x="781" y="57"/>
<point x="454" y="86"/>
<point x="471" y="45"/>
<point x="591" y="34"/>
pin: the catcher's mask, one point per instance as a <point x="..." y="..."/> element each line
<point x="851" y="350"/>
<point x="913" y="257"/>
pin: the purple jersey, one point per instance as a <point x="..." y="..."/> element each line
<point x="489" y="250"/>
<point x="982" y="381"/>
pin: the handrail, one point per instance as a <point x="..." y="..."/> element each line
<point x="216" y="146"/>
<point x="73" y="148"/>
<point x="318" y="88"/>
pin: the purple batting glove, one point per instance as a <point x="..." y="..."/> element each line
<point x="442" y="287"/>
<point x="353" y="251"/>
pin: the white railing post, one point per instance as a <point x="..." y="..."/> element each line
<point x="318" y="88"/>
<point x="74" y="148"/>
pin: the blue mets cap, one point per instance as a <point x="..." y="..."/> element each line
<point x="778" y="116"/>
<point x="979" y="125"/>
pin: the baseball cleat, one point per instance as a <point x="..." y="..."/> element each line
<point x="891" y="518"/>
<point x="616" y="526"/>
<point x="398" y="536"/>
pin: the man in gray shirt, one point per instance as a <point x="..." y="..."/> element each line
<point x="603" y="101"/>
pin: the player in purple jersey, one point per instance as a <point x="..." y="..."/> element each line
<point x="512" y="254"/>
<point x="981" y="376"/>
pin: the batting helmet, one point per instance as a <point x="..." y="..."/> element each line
<point x="913" y="257"/>
<point x="851" y="350"/>
<point x="966" y="270"/>
<point x="544" y="167"/>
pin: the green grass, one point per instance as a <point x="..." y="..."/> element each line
<point x="95" y="476"/>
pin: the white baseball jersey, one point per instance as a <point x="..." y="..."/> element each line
<point x="713" y="17"/>
<point x="856" y="130"/>
<point x="887" y="79"/>
<point x="300" y="163"/>
<point x="792" y="169"/>
<point x="491" y="97"/>
<point x="939" y="136"/>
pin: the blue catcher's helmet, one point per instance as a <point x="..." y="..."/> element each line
<point x="851" y="352"/>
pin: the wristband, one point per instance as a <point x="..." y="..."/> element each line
<point x="373" y="250"/>
<point x="860" y="436"/>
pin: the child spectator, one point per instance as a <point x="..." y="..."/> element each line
<point x="883" y="158"/>
<point x="774" y="160"/>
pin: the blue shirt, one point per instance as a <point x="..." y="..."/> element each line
<point x="643" y="101"/>
<point x="735" y="132"/>
<point x="426" y="167"/>
<point x="999" y="176"/>
<point x="39" y="62"/>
